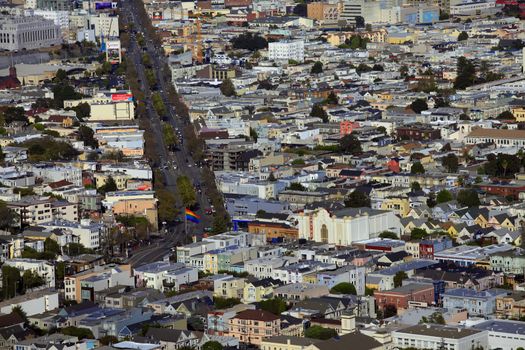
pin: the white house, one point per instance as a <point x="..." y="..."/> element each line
<point x="286" y="50"/>
<point x="42" y="268"/>
<point x="32" y="303"/>
<point x="164" y="275"/>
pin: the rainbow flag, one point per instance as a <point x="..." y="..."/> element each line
<point x="191" y="216"/>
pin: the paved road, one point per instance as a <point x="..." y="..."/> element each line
<point x="173" y="164"/>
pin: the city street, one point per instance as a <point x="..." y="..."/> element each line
<point x="172" y="164"/>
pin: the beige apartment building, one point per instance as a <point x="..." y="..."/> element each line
<point x="252" y="326"/>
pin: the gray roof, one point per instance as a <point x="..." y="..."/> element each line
<point x="502" y="326"/>
<point x="281" y="339"/>
<point x="440" y="331"/>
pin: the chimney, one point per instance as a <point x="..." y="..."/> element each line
<point x="12" y="71"/>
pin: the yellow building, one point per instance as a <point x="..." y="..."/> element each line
<point x="399" y="205"/>
<point x="230" y="287"/>
<point x="120" y="179"/>
<point x="254" y="292"/>
<point x="322" y="11"/>
<point x="519" y="113"/>
<point x="310" y="278"/>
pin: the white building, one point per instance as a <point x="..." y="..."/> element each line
<point x="108" y="105"/>
<point x="29" y="33"/>
<point x="105" y="25"/>
<point x="87" y="232"/>
<point x="54" y="173"/>
<point x="42" y="268"/>
<point x="83" y="285"/>
<point x="286" y="50"/>
<point x="503" y="334"/>
<point x="36" y="211"/>
<point x="264" y="267"/>
<point x="164" y="275"/>
<point x="32" y="303"/>
<point x="433" y="336"/>
<point x="343" y="227"/>
<point x="60" y="18"/>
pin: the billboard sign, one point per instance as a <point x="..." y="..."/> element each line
<point x="157" y="15"/>
<point x="113" y="51"/>
<point x="103" y="5"/>
<point x="122" y="97"/>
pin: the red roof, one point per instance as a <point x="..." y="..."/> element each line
<point x="257" y="315"/>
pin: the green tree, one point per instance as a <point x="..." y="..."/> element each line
<point x="249" y="41"/>
<point x="11" y="281"/>
<point x="318" y="332"/>
<point x="51" y="246"/>
<point x="48" y="149"/>
<point x="468" y="198"/>
<point x="389" y="310"/>
<point x="86" y="135"/>
<point x="399" y="277"/>
<point x="343" y="288"/>
<point x="60" y="75"/>
<point x="317" y="68"/>
<point x="450" y="162"/>
<point x="350" y="144"/>
<point x="8" y="217"/>
<point x="318" y="112"/>
<point x="20" y="312"/>
<point x="417" y="168"/>
<point x="225" y="303"/>
<point x="388" y="234"/>
<point x="186" y="191"/>
<point x="212" y="345"/>
<point x="167" y="206"/>
<point x="109" y="185"/>
<point x="227" y="88"/>
<point x="418" y="233"/>
<point x="463" y="36"/>
<point x="109" y="340"/>
<point x="82" y="111"/>
<point x="419" y="105"/>
<point x="169" y="136"/>
<point x="415" y="186"/>
<point x="444" y="196"/>
<point x="31" y="280"/>
<point x="466" y="73"/>
<point x="296" y="186"/>
<point x="331" y="99"/>
<point x="62" y="92"/>
<point x="357" y="199"/>
<point x="81" y="333"/>
<point x="275" y="305"/>
<point x="11" y="114"/>
<point x="253" y="134"/>
<point x="506" y="115"/>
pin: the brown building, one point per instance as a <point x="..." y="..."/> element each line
<point x="511" y="306"/>
<point x="322" y="11"/>
<point x="401" y="296"/>
<point x="251" y="326"/>
<point x="418" y="132"/>
<point x="504" y="189"/>
<point x="273" y="230"/>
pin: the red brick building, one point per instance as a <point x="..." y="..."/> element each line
<point x="11" y="81"/>
<point x="400" y="297"/>
<point x="503" y="189"/>
<point x="418" y="132"/>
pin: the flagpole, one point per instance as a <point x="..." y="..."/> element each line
<point x="185" y="225"/>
